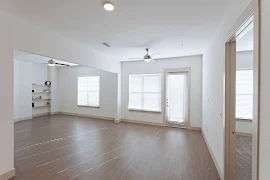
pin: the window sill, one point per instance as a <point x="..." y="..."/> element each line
<point x="243" y="120"/>
<point x="97" y="107"/>
<point x="145" y="111"/>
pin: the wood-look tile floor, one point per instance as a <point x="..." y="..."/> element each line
<point x="63" y="147"/>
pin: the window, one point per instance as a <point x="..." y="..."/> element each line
<point x="144" y="92"/>
<point x="244" y="94"/>
<point x="88" y="91"/>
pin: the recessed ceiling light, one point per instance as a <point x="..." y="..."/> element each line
<point x="108" y="6"/>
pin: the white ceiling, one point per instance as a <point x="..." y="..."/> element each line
<point x="162" y="25"/>
<point x="34" y="58"/>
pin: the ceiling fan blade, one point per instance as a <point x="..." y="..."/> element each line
<point x="155" y="54"/>
<point x="154" y="61"/>
<point x="136" y="58"/>
<point x="62" y="64"/>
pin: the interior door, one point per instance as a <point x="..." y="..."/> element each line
<point x="176" y="99"/>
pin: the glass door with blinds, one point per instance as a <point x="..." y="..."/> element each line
<point x="177" y="99"/>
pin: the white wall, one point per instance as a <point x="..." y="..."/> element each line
<point x="39" y="77"/>
<point x="67" y="91"/>
<point x="213" y="84"/>
<point x="31" y="38"/>
<point x="53" y="76"/>
<point x="265" y="95"/>
<point x="25" y="74"/>
<point x="6" y="95"/>
<point x="22" y="89"/>
<point x="194" y="62"/>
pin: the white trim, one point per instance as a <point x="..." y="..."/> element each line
<point x="117" y="121"/>
<point x="22" y="119"/>
<point x="8" y="175"/>
<point x="143" y="110"/>
<point x="42" y="114"/>
<point x="244" y="120"/>
<point x="54" y="113"/>
<point x="156" y="124"/>
<point x="35" y="115"/>
<point x="89" y="116"/>
<point x="221" y="175"/>
<point x="88" y="106"/>
<point x="194" y="128"/>
<point x="143" y="122"/>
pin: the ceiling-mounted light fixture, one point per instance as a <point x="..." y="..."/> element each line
<point x="51" y="63"/>
<point x="108" y="6"/>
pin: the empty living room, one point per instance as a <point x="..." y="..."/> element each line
<point x="134" y="90"/>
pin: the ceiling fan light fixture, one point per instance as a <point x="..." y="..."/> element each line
<point x="147" y="60"/>
<point x="108" y="6"/>
<point x="51" y="63"/>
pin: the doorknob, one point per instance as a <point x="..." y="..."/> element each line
<point x="233" y="132"/>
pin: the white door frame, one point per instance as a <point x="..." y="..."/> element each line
<point x="230" y="80"/>
<point x="251" y="13"/>
<point x="177" y="70"/>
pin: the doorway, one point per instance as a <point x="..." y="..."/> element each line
<point x="177" y="95"/>
<point x="241" y="104"/>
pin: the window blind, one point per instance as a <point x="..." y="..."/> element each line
<point x="88" y="91"/>
<point x="144" y="92"/>
<point x="244" y="94"/>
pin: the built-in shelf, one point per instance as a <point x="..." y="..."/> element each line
<point x="40" y="92"/>
<point x="41" y="99"/>
<point x="41" y="106"/>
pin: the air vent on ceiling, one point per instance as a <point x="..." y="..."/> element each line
<point x="106" y="44"/>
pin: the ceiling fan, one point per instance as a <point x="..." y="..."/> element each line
<point x="53" y="63"/>
<point x="147" y="58"/>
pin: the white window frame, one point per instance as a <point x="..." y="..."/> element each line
<point x="159" y="93"/>
<point x="91" y="106"/>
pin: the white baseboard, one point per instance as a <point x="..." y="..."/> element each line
<point x="117" y="121"/>
<point x="35" y="115"/>
<point x="54" y="113"/>
<point x="41" y="114"/>
<point x="8" y="175"/>
<point x="22" y="119"/>
<point x="213" y="157"/>
<point x="195" y="128"/>
<point x="143" y="122"/>
<point x="85" y="115"/>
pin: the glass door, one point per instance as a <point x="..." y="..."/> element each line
<point x="176" y="99"/>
